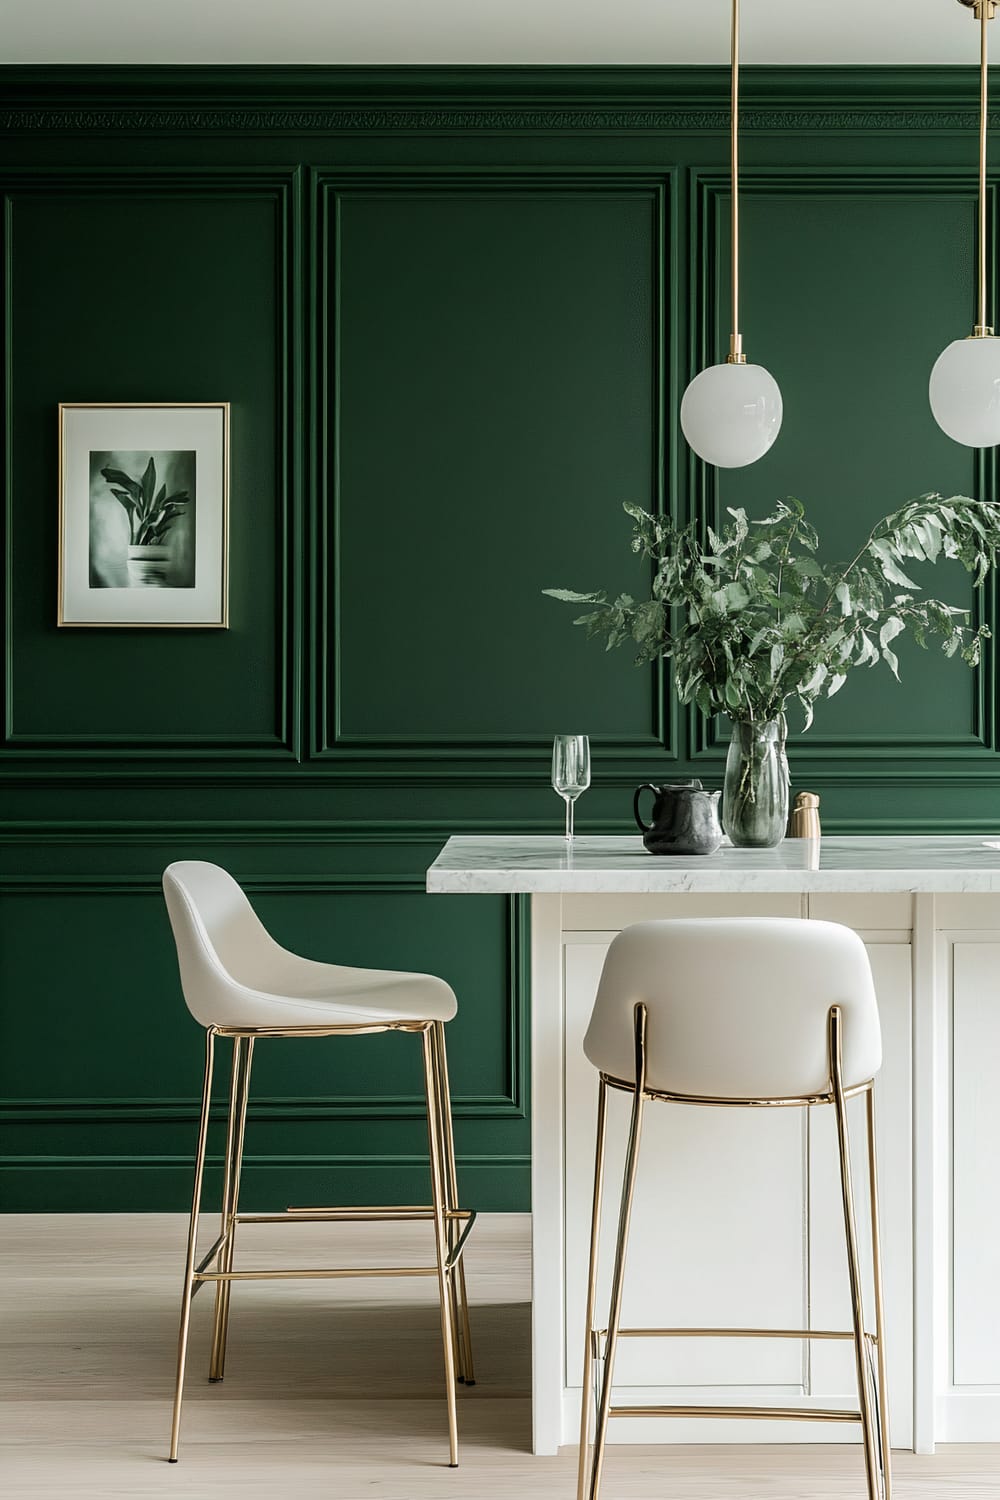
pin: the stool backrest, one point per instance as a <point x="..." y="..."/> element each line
<point x="737" y="1006"/>
<point x="221" y="943"/>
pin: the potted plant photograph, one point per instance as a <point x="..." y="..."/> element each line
<point x="151" y="514"/>
<point x="143" y="514"/>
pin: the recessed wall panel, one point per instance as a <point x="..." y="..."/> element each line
<point x="496" y="398"/>
<point x="850" y="288"/>
<point x="139" y="290"/>
<point x="133" y="1039"/>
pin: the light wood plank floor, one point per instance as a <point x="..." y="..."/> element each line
<point x="332" y="1389"/>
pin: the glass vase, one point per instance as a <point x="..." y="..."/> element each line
<point x="755" y="792"/>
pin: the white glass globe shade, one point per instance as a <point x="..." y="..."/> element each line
<point x="965" y="392"/>
<point x="731" y="414"/>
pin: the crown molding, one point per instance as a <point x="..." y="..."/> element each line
<point x="322" y="100"/>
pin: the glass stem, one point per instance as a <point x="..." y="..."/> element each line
<point x="569" y="819"/>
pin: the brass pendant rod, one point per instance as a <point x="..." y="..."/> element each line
<point x="736" y="355"/>
<point x="983" y="11"/>
<point x="984" y="14"/>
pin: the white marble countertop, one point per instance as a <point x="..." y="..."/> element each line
<point x="497" y="865"/>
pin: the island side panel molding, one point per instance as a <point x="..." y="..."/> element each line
<point x="717" y="1237"/>
<point x="967" y="1405"/>
<point x="968" y="1385"/>
<point x="805" y="1256"/>
<point x="931" y="1303"/>
<point x="975" y="1358"/>
<point x="831" y="1366"/>
<point x="548" y="1335"/>
<point x="609" y="914"/>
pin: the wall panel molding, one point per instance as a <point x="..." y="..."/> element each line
<point x="158" y="1110"/>
<point x="130" y="754"/>
<point x="470" y="758"/>
<point x="75" y="1146"/>
<point x="157" y="1183"/>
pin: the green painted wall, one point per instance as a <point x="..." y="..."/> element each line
<point x="453" y="312"/>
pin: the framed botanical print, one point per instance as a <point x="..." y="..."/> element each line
<point x="143" y="514"/>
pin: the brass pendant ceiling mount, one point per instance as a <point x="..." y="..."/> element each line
<point x="964" y="386"/>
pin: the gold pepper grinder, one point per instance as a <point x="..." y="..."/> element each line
<point x="805" y="817"/>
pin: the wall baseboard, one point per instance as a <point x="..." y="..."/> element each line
<point x="157" y="1184"/>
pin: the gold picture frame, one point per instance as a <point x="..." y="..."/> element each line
<point x="144" y="515"/>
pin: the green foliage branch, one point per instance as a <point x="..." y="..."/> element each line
<point x="752" y="620"/>
<point x="151" y="512"/>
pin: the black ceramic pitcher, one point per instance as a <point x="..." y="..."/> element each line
<point x="685" y="819"/>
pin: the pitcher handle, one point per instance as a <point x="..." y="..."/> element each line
<point x="647" y="786"/>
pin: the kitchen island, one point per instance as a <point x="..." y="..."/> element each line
<point x="736" y="1214"/>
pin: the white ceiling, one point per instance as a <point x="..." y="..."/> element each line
<point x="484" y="31"/>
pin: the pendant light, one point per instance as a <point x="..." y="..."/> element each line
<point x="965" y="381"/>
<point x="731" y="413"/>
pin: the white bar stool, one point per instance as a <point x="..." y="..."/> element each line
<point x="748" y="1011"/>
<point x="239" y="983"/>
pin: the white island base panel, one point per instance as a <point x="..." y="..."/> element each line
<point x="737" y="1218"/>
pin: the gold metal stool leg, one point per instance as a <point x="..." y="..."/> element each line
<point x="450" y="1184"/>
<point x="227" y="1184"/>
<point x="441" y="1243"/>
<point x="588" y="1328"/>
<point x="618" y="1275"/>
<point x="189" y="1283"/>
<point x="872" y="1466"/>
<point x="883" y="1389"/>
<point x="460" y="1296"/>
<point x="239" y="1093"/>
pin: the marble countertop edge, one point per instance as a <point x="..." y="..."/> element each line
<point x="546" y="882"/>
<point x="530" y="865"/>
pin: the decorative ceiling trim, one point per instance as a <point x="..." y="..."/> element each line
<point x="334" y="119"/>
<point x="307" y="101"/>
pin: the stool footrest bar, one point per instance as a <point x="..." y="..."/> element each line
<point x="339" y="1271"/>
<point x="777" y="1413"/>
<point x="388" y="1209"/>
<point x="732" y="1333"/>
<point x="407" y="1215"/>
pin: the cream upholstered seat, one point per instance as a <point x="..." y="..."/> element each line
<point x="737" y="1006"/>
<point x="735" y="1011"/>
<point x="239" y="983"/>
<point x="234" y="974"/>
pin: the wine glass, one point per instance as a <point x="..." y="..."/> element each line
<point x="570" y="771"/>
